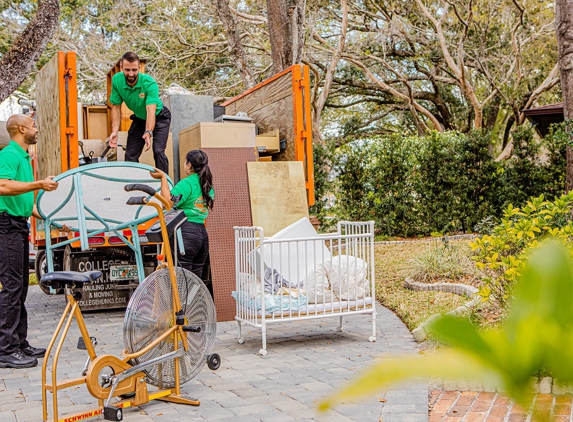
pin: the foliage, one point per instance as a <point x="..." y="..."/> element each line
<point x="374" y="183"/>
<point x="555" y="143"/>
<point x="442" y="182"/>
<point x="443" y="261"/>
<point x="502" y="254"/>
<point x="504" y="52"/>
<point x="323" y="155"/>
<point x="455" y="180"/>
<point x="455" y="60"/>
<point x="523" y="172"/>
<point x="537" y="336"/>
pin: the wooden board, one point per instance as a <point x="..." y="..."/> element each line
<point x="95" y="122"/>
<point x="271" y="106"/>
<point x="278" y="194"/>
<point x="48" y="117"/>
<point x="283" y="102"/>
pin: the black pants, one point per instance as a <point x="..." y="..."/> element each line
<point x="196" y="243"/>
<point x="135" y="142"/>
<point x="14" y="249"/>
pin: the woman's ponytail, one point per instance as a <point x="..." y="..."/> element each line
<point x="200" y="164"/>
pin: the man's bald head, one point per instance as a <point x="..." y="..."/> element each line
<point x="14" y="122"/>
<point x="22" y="129"/>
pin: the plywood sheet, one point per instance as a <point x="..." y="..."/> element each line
<point x="232" y="208"/>
<point x="271" y="106"/>
<point x="262" y="97"/>
<point x="48" y="118"/>
<point x="278" y="194"/>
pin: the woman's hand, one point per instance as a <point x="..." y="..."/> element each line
<point x="157" y="174"/>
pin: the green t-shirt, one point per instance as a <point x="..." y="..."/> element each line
<point x="145" y="92"/>
<point x="15" y="165"/>
<point x="192" y="202"/>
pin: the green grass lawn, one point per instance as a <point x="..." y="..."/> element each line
<point x="393" y="263"/>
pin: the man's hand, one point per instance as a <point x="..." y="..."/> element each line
<point x="48" y="184"/>
<point x="147" y="138"/>
<point x="113" y="138"/>
<point x="65" y="229"/>
<point x="157" y="174"/>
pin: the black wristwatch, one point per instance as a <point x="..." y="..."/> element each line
<point x="148" y="131"/>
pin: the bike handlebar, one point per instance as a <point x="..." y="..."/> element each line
<point x="141" y="187"/>
<point x="137" y="200"/>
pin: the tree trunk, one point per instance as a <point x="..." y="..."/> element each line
<point x="286" y="32"/>
<point x="235" y="44"/>
<point x="17" y="63"/>
<point x="564" y="25"/>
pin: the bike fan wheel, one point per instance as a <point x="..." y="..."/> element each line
<point x="149" y="314"/>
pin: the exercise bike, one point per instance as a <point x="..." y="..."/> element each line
<point x="169" y="330"/>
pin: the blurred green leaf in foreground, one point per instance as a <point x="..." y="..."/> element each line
<point x="536" y="336"/>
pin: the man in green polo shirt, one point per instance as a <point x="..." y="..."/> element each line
<point x="17" y="188"/>
<point x="151" y="119"/>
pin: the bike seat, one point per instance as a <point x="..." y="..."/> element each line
<point x="58" y="279"/>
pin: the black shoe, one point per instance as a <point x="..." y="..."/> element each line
<point x="38" y="352"/>
<point x="17" y="360"/>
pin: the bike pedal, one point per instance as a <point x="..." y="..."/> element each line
<point x="112" y="413"/>
<point x="82" y="343"/>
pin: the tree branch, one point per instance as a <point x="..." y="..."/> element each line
<point x="17" y="63"/>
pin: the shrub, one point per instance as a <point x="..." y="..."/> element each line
<point x="523" y="176"/>
<point x="374" y="182"/>
<point x="443" y="182"/>
<point x="502" y="255"/>
<point x="323" y="155"/>
<point x="444" y="262"/>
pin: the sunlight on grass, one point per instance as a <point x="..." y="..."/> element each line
<point x="393" y="264"/>
<point x="445" y="262"/>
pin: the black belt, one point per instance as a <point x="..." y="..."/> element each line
<point x="5" y="214"/>
<point x="161" y="115"/>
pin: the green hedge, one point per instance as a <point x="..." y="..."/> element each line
<point x="438" y="183"/>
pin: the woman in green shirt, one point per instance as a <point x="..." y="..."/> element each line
<point x="196" y="191"/>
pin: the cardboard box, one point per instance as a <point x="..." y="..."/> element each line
<point x="269" y="142"/>
<point x="214" y="135"/>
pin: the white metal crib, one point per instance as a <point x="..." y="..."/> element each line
<point x="288" y="278"/>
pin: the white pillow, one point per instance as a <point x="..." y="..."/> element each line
<point x="317" y="286"/>
<point x="347" y="277"/>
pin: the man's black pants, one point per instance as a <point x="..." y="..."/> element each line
<point x="135" y="142"/>
<point x="14" y="249"/>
